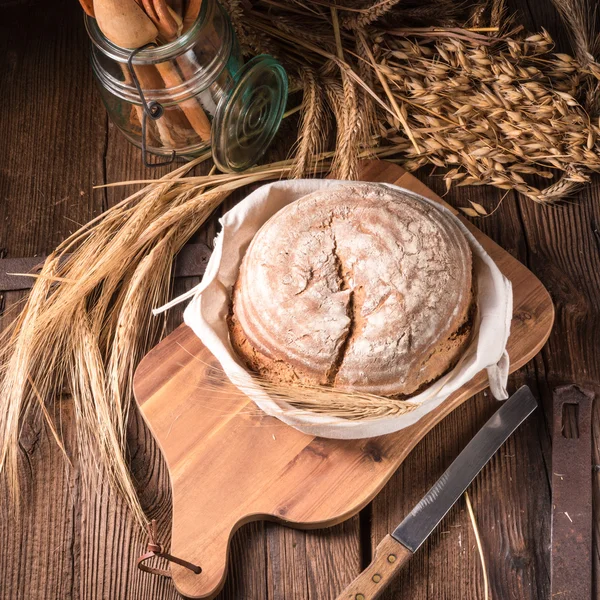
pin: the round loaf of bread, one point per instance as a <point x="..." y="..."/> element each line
<point x="360" y="287"/>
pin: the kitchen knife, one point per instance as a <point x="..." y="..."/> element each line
<point x="397" y="548"/>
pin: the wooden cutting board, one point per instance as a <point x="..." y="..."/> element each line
<point x="230" y="463"/>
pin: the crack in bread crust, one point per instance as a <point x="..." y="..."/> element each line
<point x="360" y="287"/>
<point x="344" y="282"/>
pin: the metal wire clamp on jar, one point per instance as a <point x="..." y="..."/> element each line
<point x="192" y="94"/>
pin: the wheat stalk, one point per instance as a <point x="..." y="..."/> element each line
<point x="370" y="14"/>
<point x="313" y="129"/>
<point x="87" y="323"/>
<point x="581" y="19"/>
<point x="337" y="403"/>
<point x="490" y="108"/>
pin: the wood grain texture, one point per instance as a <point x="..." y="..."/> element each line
<point x="56" y="143"/>
<point x="50" y="155"/>
<point x="230" y="463"/>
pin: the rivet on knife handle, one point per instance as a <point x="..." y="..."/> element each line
<point x="390" y="556"/>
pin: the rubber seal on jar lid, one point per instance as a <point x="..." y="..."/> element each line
<point x="249" y="116"/>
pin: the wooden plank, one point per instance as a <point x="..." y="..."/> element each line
<point x="37" y="546"/>
<point x="52" y="130"/>
<point x="52" y="150"/>
<point x="57" y="145"/>
<point x="312" y="565"/>
<point x="566" y="253"/>
<point x="563" y="249"/>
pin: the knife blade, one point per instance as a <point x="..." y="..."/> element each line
<point x="395" y="549"/>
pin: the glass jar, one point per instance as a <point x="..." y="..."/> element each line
<point x="192" y="94"/>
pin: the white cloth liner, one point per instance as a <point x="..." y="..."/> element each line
<point x="206" y="316"/>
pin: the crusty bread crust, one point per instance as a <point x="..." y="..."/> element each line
<point x="360" y="287"/>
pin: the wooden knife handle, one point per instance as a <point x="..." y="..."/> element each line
<point x="389" y="557"/>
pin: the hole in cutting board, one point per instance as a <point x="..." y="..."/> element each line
<point x="570" y="420"/>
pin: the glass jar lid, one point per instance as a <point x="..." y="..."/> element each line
<point x="249" y="115"/>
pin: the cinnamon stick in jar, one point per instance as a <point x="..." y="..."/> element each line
<point x="169" y="25"/>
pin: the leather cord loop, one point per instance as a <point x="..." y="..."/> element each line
<point x="154" y="548"/>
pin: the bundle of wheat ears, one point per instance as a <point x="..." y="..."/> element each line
<point x="417" y="82"/>
<point x="490" y="105"/>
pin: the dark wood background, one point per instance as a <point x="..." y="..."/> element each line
<point x="55" y="144"/>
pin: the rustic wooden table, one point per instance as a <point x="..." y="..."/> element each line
<point x="56" y="143"/>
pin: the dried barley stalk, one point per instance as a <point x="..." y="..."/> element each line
<point x="494" y="113"/>
<point x="493" y="109"/>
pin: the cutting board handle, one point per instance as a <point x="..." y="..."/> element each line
<point x="390" y="556"/>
